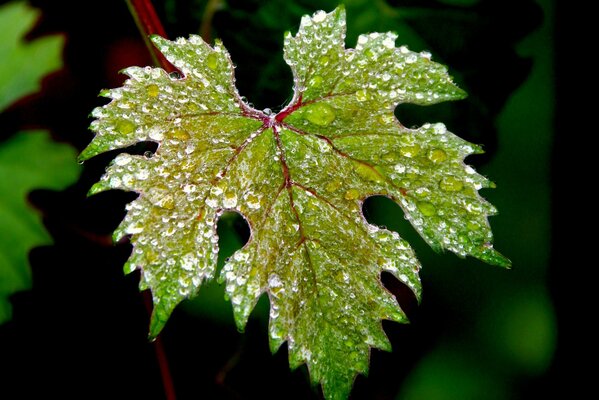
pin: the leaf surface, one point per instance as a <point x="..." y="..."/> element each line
<point x="299" y="178"/>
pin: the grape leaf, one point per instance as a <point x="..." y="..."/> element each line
<point x="299" y="178"/>
<point x="28" y="160"/>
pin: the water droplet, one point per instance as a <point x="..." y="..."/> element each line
<point x="439" y="129"/>
<point x="180" y="134"/>
<point x="175" y="75"/>
<point x="333" y="186"/>
<point x="362" y="95"/>
<point x="125" y="126"/>
<point x="324" y="60"/>
<point x="390" y="157"/>
<point x="320" y="114"/>
<point x="229" y="199"/>
<point x="152" y="90"/>
<point x="389" y="42"/>
<point x="142" y="174"/>
<point x="134" y="228"/>
<point x="237" y="299"/>
<point x="352" y="194"/>
<point x="386" y="119"/>
<point x="427" y="209"/>
<point x="122" y="159"/>
<point x="188" y="261"/>
<point x="212" y="61"/>
<point x="167" y="202"/>
<point x="437" y="156"/>
<point x="252" y="201"/>
<point x="473" y="226"/>
<point x="319" y="16"/>
<point x="367" y="172"/>
<point x="315" y="81"/>
<point x="451" y="184"/>
<point x="274" y="281"/>
<point x="156" y="134"/>
<point x="410" y="151"/>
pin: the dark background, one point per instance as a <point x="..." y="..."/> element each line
<point x="480" y="332"/>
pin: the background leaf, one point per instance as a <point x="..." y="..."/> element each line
<point x="24" y="64"/>
<point x="29" y="160"/>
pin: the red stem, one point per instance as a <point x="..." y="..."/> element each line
<point x="148" y="23"/>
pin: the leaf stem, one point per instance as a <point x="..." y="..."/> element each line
<point x="148" y="23"/>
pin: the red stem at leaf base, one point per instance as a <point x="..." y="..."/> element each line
<point x="149" y="24"/>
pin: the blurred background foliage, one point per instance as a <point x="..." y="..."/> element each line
<point x="480" y="332"/>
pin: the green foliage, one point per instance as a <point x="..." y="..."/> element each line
<point x="23" y="64"/>
<point x="29" y="159"/>
<point x="299" y="178"/>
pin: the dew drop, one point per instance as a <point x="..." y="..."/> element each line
<point x="333" y="186"/>
<point x="274" y="281"/>
<point x="167" y="202"/>
<point x="410" y="151"/>
<point x="180" y="134"/>
<point x="229" y="199"/>
<point x="451" y="184"/>
<point x="315" y="81"/>
<point x="390" y="157"/>
<point x="125" y="126"/>
<point x="319" y="16"/>
<point x="212" y="61"/>
<point x="188" y="261"/>
<point x="439" y="129"/>
<point x="473" y="226"/>
<point x="320" y="114"/>
<point x="362" y="95"/>
<point x="252" y="201"/>
<point x="437" y="156"/>
<point x="152" y="90"/>
<point x="134" y="228"/>
<point x="367" y="173"/>
<point x="142" y="174"/>
<point x="352" y="194"/>
<point x="389" y="42"/>
<point x="122" y="159"/>
<point x="156" y="134"/>
<point x="427" y="209"/>
<point x="386" y="118"/>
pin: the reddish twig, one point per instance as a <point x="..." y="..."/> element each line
<point x="149" y="24"/>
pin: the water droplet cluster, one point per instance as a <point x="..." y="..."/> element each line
<point x="299" y="178"/>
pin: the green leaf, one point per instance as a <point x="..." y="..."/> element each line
<point x="23" y="64"/>
<point x="28" y="160"/>
<point x="299" y="178"/>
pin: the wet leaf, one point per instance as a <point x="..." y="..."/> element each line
<point x="299" y="178"/>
